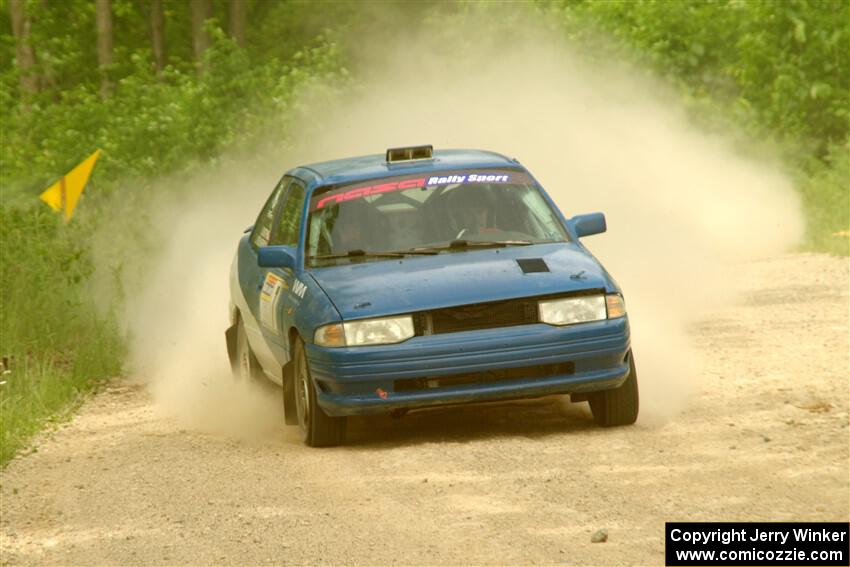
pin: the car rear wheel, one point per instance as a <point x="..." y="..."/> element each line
<point x="620" y="405"/>
<point x="247" y="366"/>
<point x="318" y="429"/>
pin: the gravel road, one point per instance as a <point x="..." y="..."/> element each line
<point x="765" y="437"/>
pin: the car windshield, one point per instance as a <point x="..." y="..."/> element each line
<point x="428" y="214"/>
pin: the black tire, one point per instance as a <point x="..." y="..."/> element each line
<point x="318" y="429"/>
<point x="620" y="405"/>
<point x="290" y="412"/>
<point x="247" y="366"/>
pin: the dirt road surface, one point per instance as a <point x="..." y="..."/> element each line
<point x="764" y="438"/>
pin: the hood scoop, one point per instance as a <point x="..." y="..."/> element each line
<point x="532" y="265"/>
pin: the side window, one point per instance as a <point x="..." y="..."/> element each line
<point x="547" y="223"/>
<point x="263" y="226"/>
<point x="289" y="226"/>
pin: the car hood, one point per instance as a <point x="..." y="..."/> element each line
<point x="416" y="283"/>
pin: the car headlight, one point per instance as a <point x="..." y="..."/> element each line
<point x="383" y="331"/>
<point x="583" y="309"/>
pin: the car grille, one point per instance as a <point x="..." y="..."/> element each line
<point x="487" y="377"/>
<point x="477" y="316"/>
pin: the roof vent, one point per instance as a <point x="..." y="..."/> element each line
<point x="411" y="153"/>
<point x="532" y="265"/>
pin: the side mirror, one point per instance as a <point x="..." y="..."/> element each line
<point x="276" y="257"/>
<point x="591" y="223"/>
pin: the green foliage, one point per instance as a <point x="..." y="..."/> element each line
<point x="778" y="69"/>
<point x="153" y="125"/>
<point x="60" y="345"/>
<point x="825" y="187"/>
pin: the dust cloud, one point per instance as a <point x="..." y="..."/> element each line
<point x="683" y="207"/>
<point x="180" y="308"/>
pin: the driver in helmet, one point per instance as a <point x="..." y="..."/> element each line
<point x="473" y="212"/>
<point x="348" y="230"/>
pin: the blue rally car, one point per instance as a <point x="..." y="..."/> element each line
<point x="420" y="278"/>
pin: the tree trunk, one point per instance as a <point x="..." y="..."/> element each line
<point x="237" y="21"/>
<point x="24" y="52"/>
<point x="201" y="12"/>
<point x="157" y="22"/>
<point x="103" y="10"/>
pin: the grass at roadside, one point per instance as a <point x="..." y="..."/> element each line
<point x="41" y="389"/>
<point x="826" y="199"/>
<point x="58" y="345"/>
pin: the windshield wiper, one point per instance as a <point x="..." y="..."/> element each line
<point x="488" y="243"/>
<point x="458" y="244"/>
<point x="425" y="250"/>
<point x="416" y="251"/>
<point x="358" y="253"/>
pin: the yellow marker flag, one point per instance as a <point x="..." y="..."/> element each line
<point x="65" y="194"/>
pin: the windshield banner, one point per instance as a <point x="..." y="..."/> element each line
<point x="387" y="185"/>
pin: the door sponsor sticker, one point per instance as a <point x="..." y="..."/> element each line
<point x="269" y="298"/>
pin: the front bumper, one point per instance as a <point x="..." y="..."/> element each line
<point x="364" y="380"/>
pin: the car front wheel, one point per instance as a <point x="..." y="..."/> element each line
<point x="620" y="405"/>
<point x="318" y="429"/>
